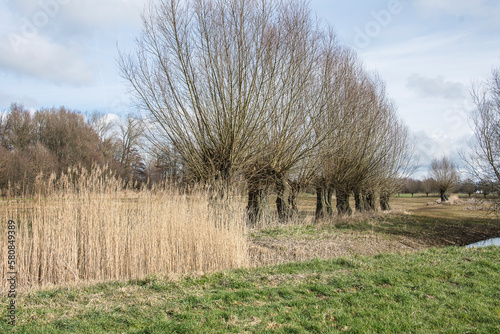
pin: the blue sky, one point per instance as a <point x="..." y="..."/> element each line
<point x="63" y="52"/>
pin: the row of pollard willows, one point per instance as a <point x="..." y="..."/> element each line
<point x="260" y="90"/>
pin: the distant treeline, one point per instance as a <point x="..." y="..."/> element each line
<point x="429" y="185"/>
<point x="50" y="141"/>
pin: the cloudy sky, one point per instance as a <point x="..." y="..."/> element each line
<point x="64" y="52"/>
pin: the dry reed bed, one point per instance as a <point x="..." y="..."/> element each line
<point x="88" y="228"/>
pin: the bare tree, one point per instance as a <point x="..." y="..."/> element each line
<point x="128" y="150"/>
<point x="210" y="75"/>
<point x="468" y="187"/>
<point x="428" y="186"/>
<point x="399" y="161"/>
<point x="47" y="141"/>
<point x="200" y="74"/>
<point x="17" y="128"/>
<point x="411" y="186"/>
<point x="339" y="154"/>
<point x="165" y="165"/>
<point x="483" y="159"/>
<point x="109" y="141"/>
<point x="230" y="85"/>
<point x="486" y="187"/>
<point x="367" y="149"/>
<point x="101" y="124"/>
<point x="299" y="178"/>
<point x="67" y="135"/>
<point x="289" y="138"/>
<point x="445" y="174"/>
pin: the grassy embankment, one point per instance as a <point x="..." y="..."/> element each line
<point x="451" y="290"/>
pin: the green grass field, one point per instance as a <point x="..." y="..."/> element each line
<point x="450" y="290"/>
<point x="401" y="272"/>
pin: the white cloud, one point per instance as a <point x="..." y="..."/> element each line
<point x="7" y="99"/>
<point x="436" y="87"/>
<point x="30" y="48"/>
<point x="478" y="8"/>
<point x="435" y="146"/>
<point x="40" y="57"/>
<point x="109" y="12"/>
<point x="83" y="14"/>
<point x="62" y="41"/>
<point x="445" y="65"/>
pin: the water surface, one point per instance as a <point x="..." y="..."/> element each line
<point x="485" y="243"/>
